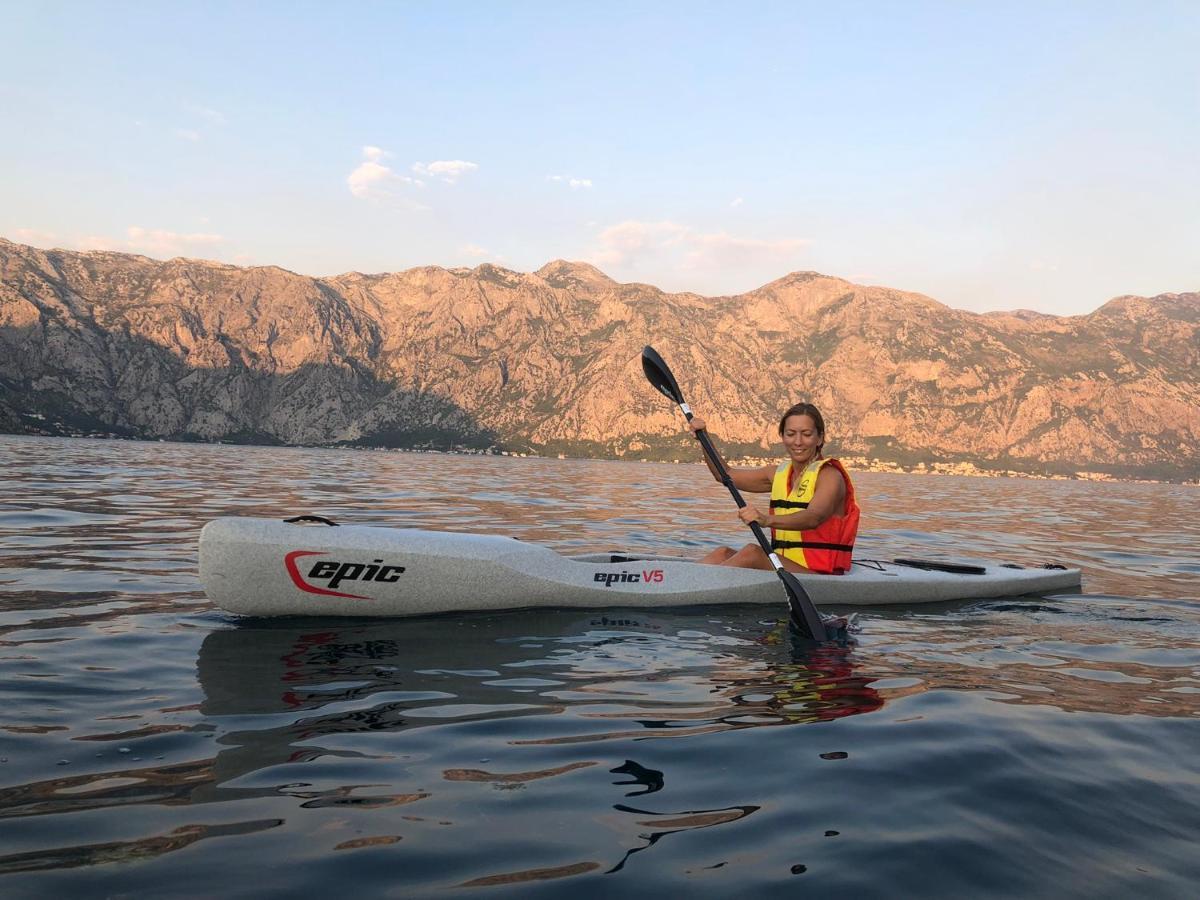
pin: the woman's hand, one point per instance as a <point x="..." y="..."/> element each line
<point x="695" y="424"/>
<point x="749" y="514"/>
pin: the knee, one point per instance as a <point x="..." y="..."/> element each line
<point x="750" y="556"/>
<point x="718" y="555"/>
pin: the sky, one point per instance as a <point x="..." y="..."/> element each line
<point x="993" y="156"/>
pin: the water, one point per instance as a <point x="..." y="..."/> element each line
<point x="154" y="746"/>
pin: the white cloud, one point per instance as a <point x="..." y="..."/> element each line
<point x="570" y="181"/>
<point x="448" y="170"/>
<point x="374" y="181"/>
<point x="98" y="242"/>
<point x="158" y="242"/>
<point x="721" y="250"/>
<point x="737" y="201"/>
<point x="672" y="252"/>
<point x="368" y="179"/>
<point x="34" y="237"/>
<point x="474" y="251"/>
<point x="627" y="243"/>
<point x="193" y="112"/>
<point x="210" y="115"/>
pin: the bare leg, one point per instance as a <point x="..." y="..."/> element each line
<point x="751" y="556"/>
<point x="717" y="557"/>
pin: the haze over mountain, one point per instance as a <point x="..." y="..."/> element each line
<point x="549" y="362"/>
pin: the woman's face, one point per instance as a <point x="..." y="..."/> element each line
<point x="801" y="438"/>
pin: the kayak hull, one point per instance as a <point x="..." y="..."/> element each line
<point x="266" y="567"/>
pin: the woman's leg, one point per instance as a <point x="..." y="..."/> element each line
<point x="751" y="556"/>
<point x="717" y="557"/>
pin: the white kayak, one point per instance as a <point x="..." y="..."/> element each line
<point x="268" y="567"/>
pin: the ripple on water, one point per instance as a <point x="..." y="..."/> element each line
<point x="58" y="517"/>
<point x="991" y="748"/>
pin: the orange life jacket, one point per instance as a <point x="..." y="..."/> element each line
<point x="826" y="548"/>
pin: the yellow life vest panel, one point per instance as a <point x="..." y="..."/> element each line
<point x="828" y="547"/>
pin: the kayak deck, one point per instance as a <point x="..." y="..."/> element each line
<point x="266" y="567"/>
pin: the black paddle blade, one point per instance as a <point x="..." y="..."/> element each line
<point x="805" y="618"/>
<point x="659" y="374"/>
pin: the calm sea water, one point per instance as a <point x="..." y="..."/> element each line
<point x="151" y="745"/>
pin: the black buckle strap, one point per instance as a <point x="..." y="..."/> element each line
<point x="810" y="545"/>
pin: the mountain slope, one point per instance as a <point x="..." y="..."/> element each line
<point x="549" y="361"/>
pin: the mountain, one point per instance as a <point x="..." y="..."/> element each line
<point x="549" y="362"/>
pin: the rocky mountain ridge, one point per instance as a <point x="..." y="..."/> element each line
<point x="548" y="362"/>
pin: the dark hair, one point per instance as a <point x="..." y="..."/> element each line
<point x="805" y="409"/>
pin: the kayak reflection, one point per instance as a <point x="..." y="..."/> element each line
<point x="401" y="728"/>
<point x="605" y="676"/>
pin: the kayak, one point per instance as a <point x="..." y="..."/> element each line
<point x="269" y="567"/>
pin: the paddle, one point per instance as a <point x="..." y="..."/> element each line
<point x="805" y="617"/>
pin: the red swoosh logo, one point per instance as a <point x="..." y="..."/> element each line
<point x="298" y="580"/>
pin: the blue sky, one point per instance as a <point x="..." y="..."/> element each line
<point x="993" y="156"/>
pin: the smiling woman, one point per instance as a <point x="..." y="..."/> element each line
<point x="813" y="514"/>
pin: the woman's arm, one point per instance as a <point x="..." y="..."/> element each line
<point x="829" y="498"/>
<point x="757" y="480"/>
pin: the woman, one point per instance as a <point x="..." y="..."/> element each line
<point x="813" y="516"/>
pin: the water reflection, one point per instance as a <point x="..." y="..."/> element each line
<point x="399" y="675"/>
<point x="127" y="851"/>
<point x="285" y="694"/>
<point x="310" y="714"/>
<point x="1076" y="654"/>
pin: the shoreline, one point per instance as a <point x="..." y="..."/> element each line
<point x="854" y="462"/>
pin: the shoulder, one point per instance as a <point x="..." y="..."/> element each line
<point x="832" y="470"/>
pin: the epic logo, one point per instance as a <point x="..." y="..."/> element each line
<point x="337" y="572"/>
<point x="611" y="578"/>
